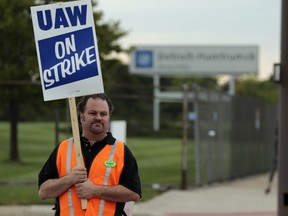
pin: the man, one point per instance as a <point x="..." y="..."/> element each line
<point x="110" y="176"/>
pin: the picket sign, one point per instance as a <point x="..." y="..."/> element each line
<point x="76" y="138"/>
<point x="68" y="56"/>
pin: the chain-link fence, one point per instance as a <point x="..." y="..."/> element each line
<point x="234" y="136"/>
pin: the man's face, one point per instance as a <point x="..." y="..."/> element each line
<point x="96" y="117"/>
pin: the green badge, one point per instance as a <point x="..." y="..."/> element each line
<point x="110" y="163"/>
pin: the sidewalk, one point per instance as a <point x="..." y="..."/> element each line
<point x="245" y="197"/>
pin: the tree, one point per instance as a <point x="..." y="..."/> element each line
<point x="16" y="60"/>
<point x="19" y="78"/>
<point x="264" y="90"/>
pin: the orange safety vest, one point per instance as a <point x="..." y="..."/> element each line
<point x="105" y="170"/>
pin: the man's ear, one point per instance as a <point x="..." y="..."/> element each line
<point x="81" y="117"/>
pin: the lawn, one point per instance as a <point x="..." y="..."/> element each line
<point x="159" y="162"/>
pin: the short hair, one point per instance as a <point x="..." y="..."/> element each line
<point x="82" y="103"/>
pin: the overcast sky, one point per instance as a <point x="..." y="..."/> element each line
<point x="201" y="22"/>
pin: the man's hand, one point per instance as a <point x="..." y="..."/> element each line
<point x="78" y="175"/>
<point x="85" y="190"/>
<point x="53" y="188"/>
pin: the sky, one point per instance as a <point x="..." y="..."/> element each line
<point x="201" y="22"/>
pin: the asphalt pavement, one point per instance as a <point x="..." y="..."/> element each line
<point x="242" y="197"/>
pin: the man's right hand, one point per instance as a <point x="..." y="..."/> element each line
<point x="78" y="175"/>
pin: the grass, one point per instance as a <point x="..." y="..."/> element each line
<point x="159" y="161"/>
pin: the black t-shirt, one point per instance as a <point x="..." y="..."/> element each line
<point x="129" y="177"/>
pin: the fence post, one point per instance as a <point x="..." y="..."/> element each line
<point x="197" y="137"/>
<point x="184" y="137"/>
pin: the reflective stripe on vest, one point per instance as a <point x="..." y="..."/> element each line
<point x="106" y="177"/>
<point x="68" y="170"/>
<point x="100" y="174"/>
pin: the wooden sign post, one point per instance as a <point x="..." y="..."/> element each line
<point x="76" y="138"/>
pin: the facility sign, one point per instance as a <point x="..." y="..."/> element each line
<point x="67" y="49"/>
<point x="194" y="60"/>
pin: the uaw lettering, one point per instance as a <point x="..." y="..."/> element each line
<point x="64" y="17"/>
<point x="68" y="58"/>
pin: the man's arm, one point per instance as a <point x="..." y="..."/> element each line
<point x="117" y="193"/>
<point x="53" y="188"/>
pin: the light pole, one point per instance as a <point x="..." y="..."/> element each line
<point x="283" y="118"/>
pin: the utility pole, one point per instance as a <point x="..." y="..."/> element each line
<point x="283" y="118"/>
